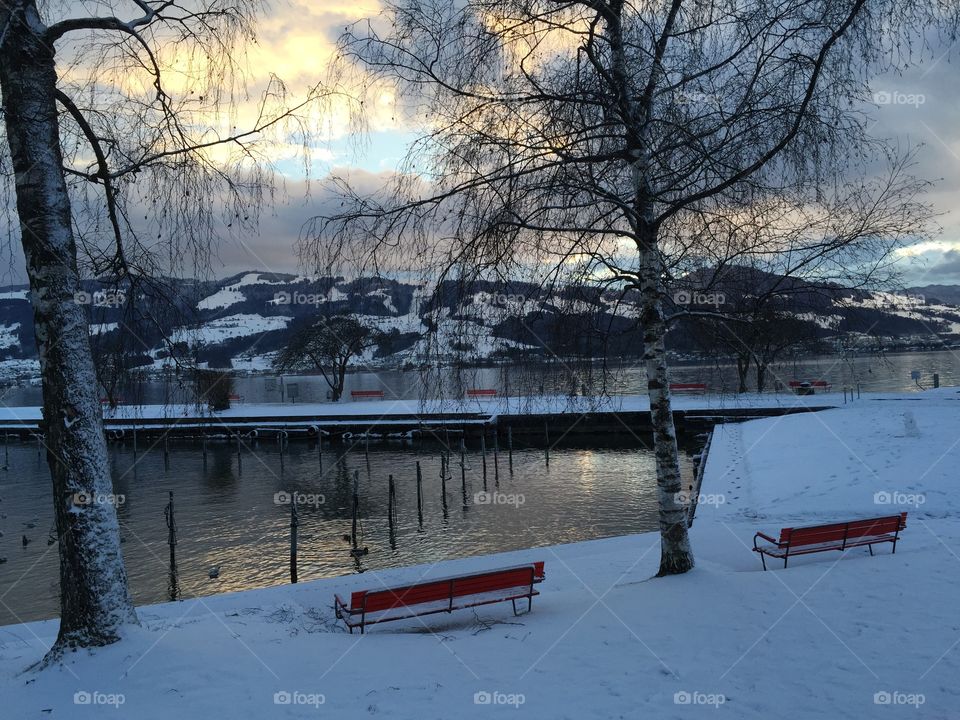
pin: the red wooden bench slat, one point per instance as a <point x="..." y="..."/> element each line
<point x="488" y="587"/>
<point x="377" y="600"/>
<point x="832" y="536"/>
<point x="366" y="393"/>
<point x="688" y="386"/>
<point x="481" y="393"/>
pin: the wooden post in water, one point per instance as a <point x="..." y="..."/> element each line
<point x="510" y="446"/>
<point x="239" y="456"/>
<point x="166" y="452"/>
<point x="496" y="457"/>
<point x="204" y="449"/>
<point x="356" y="511"/>
<point x="134" y="443"/>
<point x="172" y="543"/>
<point x="391" y="502"/>
<point x="6" y="450"/>
<point x="39" y="440"/>
<point x="546" y="448"/>
<point x="320" y="449"/>
<point x="483" y="454"/>
<point x="283" y="441"/>
<point x="444" y="460"/>
<point x="463" y="471"/>
<point x="294" y="523"/>
<point x="419" y="494"/>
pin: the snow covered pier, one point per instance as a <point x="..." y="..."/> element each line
<point x="618" y="415"/>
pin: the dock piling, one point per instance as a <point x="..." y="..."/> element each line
<point x="483" y="454"/>
<point x="546" y="447"/>
<point x="419" y="494"/>
<point x="294" y="524"/>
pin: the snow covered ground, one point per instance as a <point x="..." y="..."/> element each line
<point x="834" y="636"/>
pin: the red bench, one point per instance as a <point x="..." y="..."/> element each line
<point x="835" y="536"/>
<point x="813" y="383"/>
<point x="368" y="607"/>
<point x="367" y="394"/>
<point x="478" y="393"/>
<point x="688" y="387"/>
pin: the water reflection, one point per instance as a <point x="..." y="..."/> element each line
<point x="227" y="514"/>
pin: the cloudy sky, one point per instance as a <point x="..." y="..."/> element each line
<point x="920" y="108"/>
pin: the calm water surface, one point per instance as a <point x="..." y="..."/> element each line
<point x="228" y="514"/>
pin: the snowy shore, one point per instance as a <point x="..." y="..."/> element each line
<point x="834" y="636"/>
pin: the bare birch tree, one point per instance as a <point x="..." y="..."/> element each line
<point x="123" y="171"/>
<point x="596" y="133"/>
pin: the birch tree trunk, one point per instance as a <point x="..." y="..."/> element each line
<point x="94" y="599"/>
<point x="676" y="556"/>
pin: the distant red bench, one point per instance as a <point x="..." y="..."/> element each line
<point x="688" y="387"/>
<point x="367" y="394"/>
<point x="813" y="383"/>
<point x="835" y="536"/>
<point x="368" y="607"/>
<point x="234" y="397"/>
<point x="480" y="393"/>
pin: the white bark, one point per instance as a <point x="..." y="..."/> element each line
<point x="676" y="555"/>
<point x="95" y="602"/>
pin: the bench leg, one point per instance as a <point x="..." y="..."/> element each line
<point x="529" y="606"/>
<point x="870" y="548"/>
<point x="764" y="561"/>
<point x="785" y="558"/>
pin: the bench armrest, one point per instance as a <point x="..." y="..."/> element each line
<point x="765" y="537"/>
<point x="338" y="603"/>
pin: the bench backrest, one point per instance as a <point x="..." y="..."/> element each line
<point x="446" y="589"/>
<point x="481" y="392"/>
<point x="688" y="386"/>
<point x="366" y="393"/>
<point x="817" y="534"/>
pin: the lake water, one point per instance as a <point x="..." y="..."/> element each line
<point x="891" y="372"/>
<point x="228" y="515"/>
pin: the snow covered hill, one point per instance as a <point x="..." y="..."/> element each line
<point x="243" y="320"/>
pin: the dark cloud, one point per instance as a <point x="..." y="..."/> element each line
<point x="947" y="267"/>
